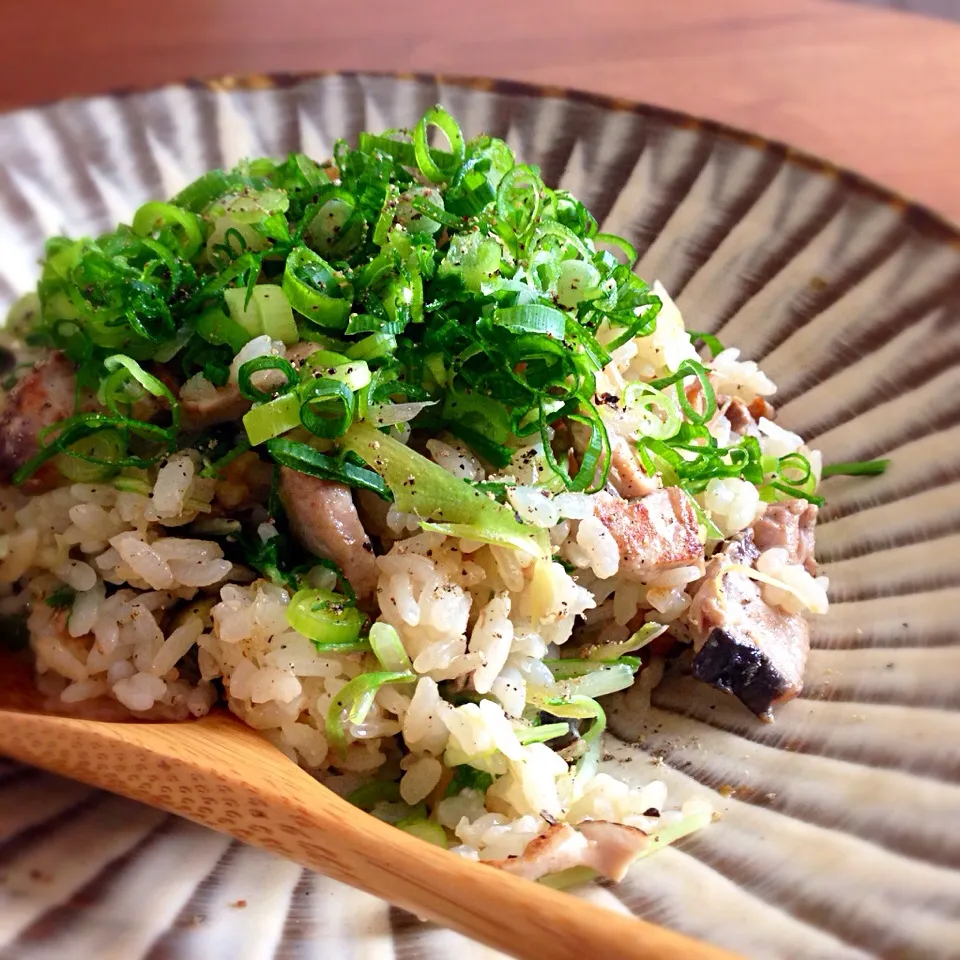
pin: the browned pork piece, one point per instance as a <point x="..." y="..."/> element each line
<point x="626" y="474"/>
<point x="43" y="396"/>
<point x="743" y="417"/>
<point x="204" y="406"/>
<point x="743" y="645"/>
<point x="324" y="519"/>
<point x="608" y="848"/>
<point x="654" y="533"/>
<point x="207" y="406"/>
<point x="789" y="524"/>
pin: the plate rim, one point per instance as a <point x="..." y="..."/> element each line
<point x="919" y="216"/>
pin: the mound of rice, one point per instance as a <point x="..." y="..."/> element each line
<point x="130" y="597"/>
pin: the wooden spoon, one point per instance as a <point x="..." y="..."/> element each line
<point x="222" y="774"/>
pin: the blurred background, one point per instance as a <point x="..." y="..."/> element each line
<point x="934" y="8"/>
<point x="845" y="79"/>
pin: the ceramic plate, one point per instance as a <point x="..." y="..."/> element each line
<point x="840" y="827"/>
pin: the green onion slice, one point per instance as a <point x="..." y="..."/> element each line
<point x="326" y="407"/>
<point x="353" y="703"/>
<point x="641" y="638"/>
<point x="370" y="794"/>
<point x="304" y="459"/>
<point x="147" y="381"/>
<point x="426" y="161"/>
<point x="424" y="829"/>
<point x="612" y="240"/>
<point x="327" y="618"/>
<point x="271" y="419"/>
<point x="426" y="490"/>
<point x="577" y="707"/>
<point x="156" y="218"/>
<point x="541" y="733"/>
<point x="316" y="290"/>
<point x="520" y="199"/>
<point x="246" y="371"/>
<point x="690" y="368"/>
<point x="711" y="342"/>
<point x="388" y="648"/>
<point x="856" y="468"/>
<point x="572" y="667"/>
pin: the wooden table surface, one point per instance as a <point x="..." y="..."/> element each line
<point x="874" y="90"/>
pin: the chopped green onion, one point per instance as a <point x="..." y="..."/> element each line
<point x="259" y="364"/>
<point x="304" y="459"/>
<point x="315" y="290"/>
<point x="147" y="381"/>
<point x="520" y="199"/>
<point x="83" y="425"/>
<point x="645" y="635"/>
<point x="687" y="369"/>
<point x="154" y="218"/>
<point x="426" y="160"/>
<point x="426" y="490"/>
<point x="217" y="328"/>
<point x="265" y="312"/>
<point x="797" y="463"/>
<point x="374" y="347"/>
<point x="61" y="598"/>
<point x="91" y="458"/>
<point x="210" y="186"/>
<point x="577" y="707"/>
<point x="570" y="667"/>
<point x="710" y="529"/>
<point x="466" y="777"/>
<point x="611" y="239"/>
<point x="355" y="374"/>
<point x="326" y="407"/>
<point x="856" y="468"/>
<point x="541" y="733"/>
<point x="602" y="681"/>
<point x="377" y="791"/>
<point x="353" y="703"/>
<point x="797" y="493"/>
<point x="271" y="419"/>
<point x="327" y="618"/>
<point x="388" y="648"/>
<point x="532" y="318"/>
<point x="709" y="340"/>
<point x="424" y="829"/>
<point x="638" y="400"/>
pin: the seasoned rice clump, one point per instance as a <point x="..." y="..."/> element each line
<point x="397" y="459"/>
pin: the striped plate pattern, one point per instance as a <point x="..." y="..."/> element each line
<point x="839" y="834"/>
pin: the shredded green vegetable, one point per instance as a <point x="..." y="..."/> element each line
<point x="856" y="468"/>
<point x="485" y="285"/>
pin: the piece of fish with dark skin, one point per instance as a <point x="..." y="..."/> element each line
<point x="654" y="533"/>
<point x="324" y="519"/>
<point x="742" y="644"/>
<point x="45" y="395"/>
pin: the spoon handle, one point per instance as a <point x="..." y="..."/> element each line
<point x="223" y="775"/>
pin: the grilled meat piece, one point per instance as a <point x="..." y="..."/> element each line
<point x="324" y="519"/>
<point x="654" y="533"/>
